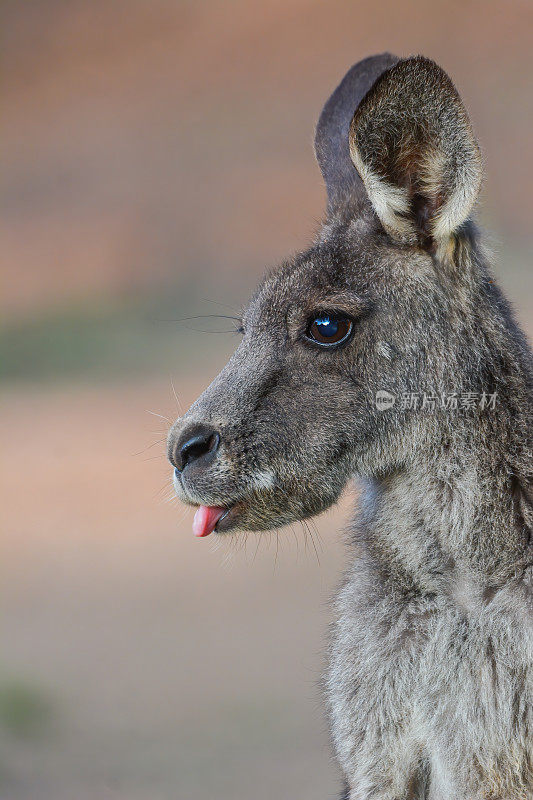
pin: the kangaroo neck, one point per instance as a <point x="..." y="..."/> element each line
<point x="443" y="515"/>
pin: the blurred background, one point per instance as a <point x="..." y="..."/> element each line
<point x="157" y="157"/>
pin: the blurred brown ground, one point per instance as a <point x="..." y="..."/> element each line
<point x="157" y="156"/>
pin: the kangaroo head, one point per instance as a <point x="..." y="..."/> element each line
<point x="383" y="302"/>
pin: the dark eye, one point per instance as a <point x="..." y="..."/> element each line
<point x="330" y="328"/>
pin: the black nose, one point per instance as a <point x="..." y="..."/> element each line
<point x="193" y="443"/>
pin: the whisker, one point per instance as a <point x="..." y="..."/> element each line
<point x="305" y="537"/>
<point x="313" y="524"/>
<point x="176" y="398"/>
<point x="160" y="441"/>
<point x="259" y="537"/>
<point x="204" y="330"/>
<point x="217" y="303"/>
<point x="155" y="414"/>
<point x="202" y="316"/>
<point x="166" y="485"/>
<point x="277" y="549"/>
<point x="304" y="522"/>
<point x="297" y="542"/>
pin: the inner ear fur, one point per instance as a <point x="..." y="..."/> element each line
<point x="413" y="145"/>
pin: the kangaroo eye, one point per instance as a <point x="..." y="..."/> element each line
<point x="331" y="328"/>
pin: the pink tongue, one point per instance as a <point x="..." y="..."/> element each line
<point x="205" y="519"/>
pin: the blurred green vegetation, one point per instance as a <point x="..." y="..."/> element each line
<point x="109" y="338"/>
<point x="24" y="709"/>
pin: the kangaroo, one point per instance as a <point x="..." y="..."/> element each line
<point x="387" y="353"/>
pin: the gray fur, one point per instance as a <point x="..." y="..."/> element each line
<point x="429" y="686"/>
<point x="340" y="175"/>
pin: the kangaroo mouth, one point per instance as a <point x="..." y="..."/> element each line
<point x="213" y="518"/>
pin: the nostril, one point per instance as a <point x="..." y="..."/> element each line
<point x="192" y="447"/>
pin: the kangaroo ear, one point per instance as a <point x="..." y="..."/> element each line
<point x="414" y="148"/>
<point x="332" y="148"/>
